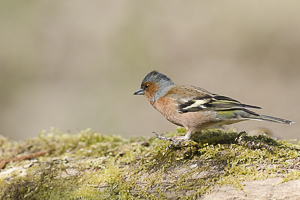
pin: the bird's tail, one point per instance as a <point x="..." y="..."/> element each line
<point x="274" y="119"/>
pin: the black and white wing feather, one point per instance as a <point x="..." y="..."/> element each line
<point x="201" y="100"/>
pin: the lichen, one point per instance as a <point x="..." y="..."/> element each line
<point x="90" y="165"/>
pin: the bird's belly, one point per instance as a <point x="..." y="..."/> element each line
<point x="198" y="120"/>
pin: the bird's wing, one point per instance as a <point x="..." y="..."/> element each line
<point x="194" y="99"/>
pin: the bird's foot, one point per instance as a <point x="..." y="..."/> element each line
<point x="175" y="141"/>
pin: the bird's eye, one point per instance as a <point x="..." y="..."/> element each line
<point x="146" y="86"/>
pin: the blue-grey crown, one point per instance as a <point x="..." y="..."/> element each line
<point x="157" y="77"/>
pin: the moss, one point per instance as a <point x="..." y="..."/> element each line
<point x="90" y="165"/>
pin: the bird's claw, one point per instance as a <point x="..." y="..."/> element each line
<point x="175" y="141"/>
<point x="161" y="137"/>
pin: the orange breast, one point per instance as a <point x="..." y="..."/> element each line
<point x="168" y="109"/>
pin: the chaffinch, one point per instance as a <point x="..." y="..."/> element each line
<point x="193" y="107"/>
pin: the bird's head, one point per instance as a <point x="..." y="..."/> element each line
<point x="154" y="86"/>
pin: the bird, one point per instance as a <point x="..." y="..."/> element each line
<point x="194" y="108"/>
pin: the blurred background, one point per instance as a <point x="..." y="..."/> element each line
<point x="76" y="64"/>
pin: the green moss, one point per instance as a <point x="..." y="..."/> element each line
<point x="91" y="165"/>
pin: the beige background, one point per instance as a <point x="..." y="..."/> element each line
<point x="75" y="65"/>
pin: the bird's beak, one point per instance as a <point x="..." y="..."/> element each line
<point x="139" y="92"/>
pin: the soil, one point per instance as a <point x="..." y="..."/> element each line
<point x="260" y="190"/>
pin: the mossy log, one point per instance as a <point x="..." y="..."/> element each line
<point x="89" y="165"/>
